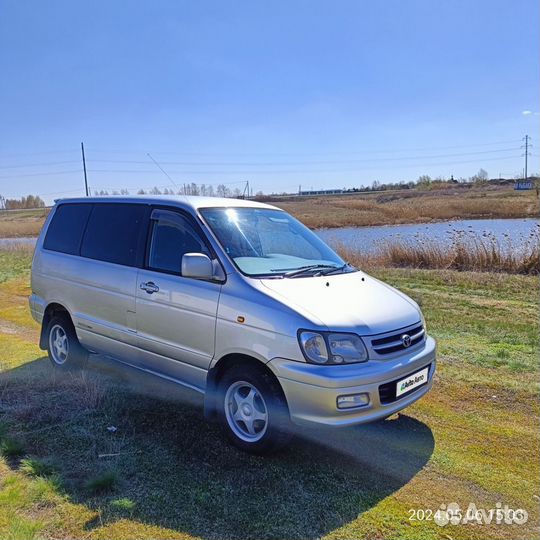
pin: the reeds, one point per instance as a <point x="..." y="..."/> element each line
<point x="465" y="251"/>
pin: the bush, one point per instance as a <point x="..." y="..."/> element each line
<point x="102" y="483"/>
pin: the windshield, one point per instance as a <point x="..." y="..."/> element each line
<point x="266" y="242"/>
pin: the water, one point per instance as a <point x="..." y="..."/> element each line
<point x="368" y="239"/>
<point x="31" y="240"/>
<point x="514" y="233"/>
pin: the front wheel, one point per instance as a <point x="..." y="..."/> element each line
<point x="253" y="410"/>
<point x="65" y="351"/>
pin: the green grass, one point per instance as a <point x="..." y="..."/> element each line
<point x="14" y="264"/>
<point x="36" y="467"/>
<point x="165" y="473"/>
<point x="102" y="483"/>
<point x="11" y="448"/>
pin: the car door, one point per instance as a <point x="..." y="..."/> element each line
<point x="100" y="283"/>
<point x="176" y="316"/>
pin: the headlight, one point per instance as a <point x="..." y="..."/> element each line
<point x="423" y="322"/>
<point x="332" y="348"/>
<point x="314" y="347"/>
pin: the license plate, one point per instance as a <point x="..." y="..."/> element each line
<point x="412" y="381"/>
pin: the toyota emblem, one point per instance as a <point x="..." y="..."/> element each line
<point x="406" y="340"/>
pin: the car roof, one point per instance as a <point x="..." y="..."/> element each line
<point x="182" y="201"/>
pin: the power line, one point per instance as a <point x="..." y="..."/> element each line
<point x="70" y="162"/>
<point x="296" y="171"/>
<point x="270" y="163"/>
<point x="229" y="153"/>
<point x="162" y="170"/>
<point x="50" y="173"/>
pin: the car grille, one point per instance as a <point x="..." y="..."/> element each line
<point x="395" y="342"/>
<point x="387" y="391"/>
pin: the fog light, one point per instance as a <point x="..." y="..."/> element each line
<point x="352" y="401"/>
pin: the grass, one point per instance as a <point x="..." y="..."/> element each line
<point x="165" y="473"/>
<point x="11" y="448"/>
<point x="467" y="251"/>
<point x="22" y="223"/>
<point x="102" y="483"/>
<point x="387" y="208"/>
<point x="36" y="467"/>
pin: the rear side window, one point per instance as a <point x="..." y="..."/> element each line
<point x="112" y="233"/>
<point x="66" y="228"/>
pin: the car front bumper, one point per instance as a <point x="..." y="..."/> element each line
<point x="312" y="391"/>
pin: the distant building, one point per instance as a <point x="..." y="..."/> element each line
<point x="523" y="185"/>
<point x="322" y="192"/>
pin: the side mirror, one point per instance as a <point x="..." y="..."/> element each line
<point x="197" y="265"/>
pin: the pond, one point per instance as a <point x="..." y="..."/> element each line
<point x="514" y="233"/>
<point x="508" y="232"/>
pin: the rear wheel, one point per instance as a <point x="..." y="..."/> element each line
<point x="65" y="351"/>
<point x="253" y="410"/>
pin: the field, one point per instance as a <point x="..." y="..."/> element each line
<point x="165" y="473"/>
<point x="379" y="208"/>
<point x="414" y="206"/>
<point x="20" y="223"/>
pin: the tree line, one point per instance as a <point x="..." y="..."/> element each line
<point x="30" y="201"/>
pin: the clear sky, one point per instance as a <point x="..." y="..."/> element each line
<point x="281" y="93"/>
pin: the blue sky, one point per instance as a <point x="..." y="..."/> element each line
<point x="322" y="94"/>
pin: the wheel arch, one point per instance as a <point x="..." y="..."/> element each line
<point x="52" y="310"/>
<point x="218" y="370"/>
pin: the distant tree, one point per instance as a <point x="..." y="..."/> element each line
<point x="222" y="190"/>
<point x="210" y="191"/>
<point x="31" y="201"/>
<point x="155" y="191"/>
<point x="481" y="177"/>
<point x="141" y="192"/>
<point x="424" y="180"/>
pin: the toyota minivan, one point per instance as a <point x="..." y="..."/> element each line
<point x="234" y="299"/>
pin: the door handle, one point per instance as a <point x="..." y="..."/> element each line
<point x="150" y="287"/>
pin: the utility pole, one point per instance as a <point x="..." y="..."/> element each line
<point x="84" y="169"/>
<point x="526" y="146"/>
<point x="246" y="190"/>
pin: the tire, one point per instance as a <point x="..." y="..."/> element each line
<point x="63" y="347"/>
<point x="252" y="410"/>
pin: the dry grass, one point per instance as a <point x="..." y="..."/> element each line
<point x="466" y="252"/>
<point x="22" y="223"/>
<point x="411" y="207"/>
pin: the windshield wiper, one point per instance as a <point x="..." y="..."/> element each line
<point x="309" y="268"/>
<point x="334" y="269"/>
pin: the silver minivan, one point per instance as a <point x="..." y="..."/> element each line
<point x="234" y="299"/>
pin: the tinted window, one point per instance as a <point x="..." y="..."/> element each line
<point x="66" y="228"/>
<point x="112" y="233"/>
<point x="172" y="236"/>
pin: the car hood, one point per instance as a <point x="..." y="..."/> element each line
<point x="351" y="302"/>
